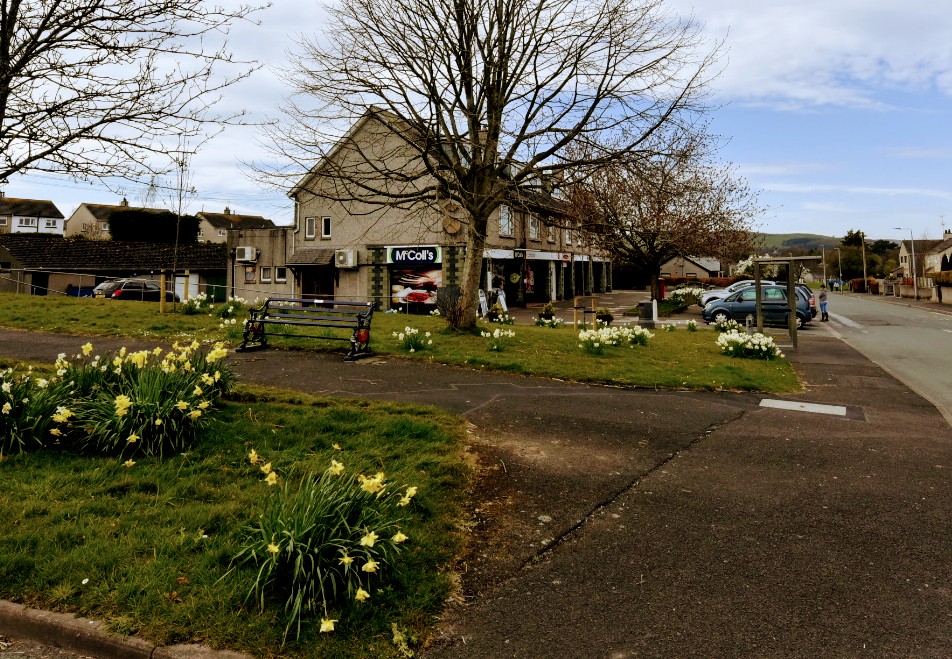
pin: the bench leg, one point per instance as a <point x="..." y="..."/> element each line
<point x="359" y="345"/>
<point x="253" y="334"/>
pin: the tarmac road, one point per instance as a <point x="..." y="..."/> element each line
<point x="622" y="523"/>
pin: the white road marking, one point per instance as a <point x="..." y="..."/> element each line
<point x="846" y="321"/>
<point x="815" y="408"/>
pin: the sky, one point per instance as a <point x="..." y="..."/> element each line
<point x="838" y="111"/>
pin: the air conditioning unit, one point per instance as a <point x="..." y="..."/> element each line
<point x="345" y="258"/>
<point x="246" y="254"/>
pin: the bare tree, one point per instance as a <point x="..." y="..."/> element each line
<point x="678" y="201"/>
<point x="92" y="88"/>
<point x="486" y="95"/>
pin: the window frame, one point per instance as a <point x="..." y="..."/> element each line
<point x="252" y="271"/>
<point x="280" y="274"/>
<point x="31" y="222"/>
<point x="264" y="275"/>
<point x="310" y="228"/>
<point x="533" y="230"/>
<point x="505" y="221"/>
<point x="568" y="237"/>
<point x="326" y="227"/>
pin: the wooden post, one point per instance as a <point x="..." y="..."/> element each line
<point x="792" y="298"/>
<point x="162" y="282"/>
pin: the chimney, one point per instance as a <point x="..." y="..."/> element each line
<point x="227" y="210"/>
<point x="124" y="203"/>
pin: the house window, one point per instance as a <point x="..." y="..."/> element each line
<point x="691" y="274"/>
<point x="28" y="222"/>
<point x="310" y="228"/>
<point x="505" y="221"/>
<point x="265" y="274"/>
<point x="550" y="233"/>
<point x="3" y="221"/>
<point x="325" y="228"/>
<point x="280" y="275"/>
<point x="221" y="233"/>
<point x="50" y="224"/>
<point x="102" y="226"/>
<point x="249" y="274"/>
<point x="568" y="236"/>
<point x="533" y="227"/>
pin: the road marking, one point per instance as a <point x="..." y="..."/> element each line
<point x="846" y="321"/>
<point x="815" y="408"/>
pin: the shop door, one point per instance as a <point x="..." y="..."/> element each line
<point x="317" y="282"/>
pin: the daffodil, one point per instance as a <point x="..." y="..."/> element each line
<point x="133" y="438"/>
<point x="6" y="408"/>
<point x="336" y="468"/>
<point x="204" y="405"/>
<point x="403" y="501"/>
<point x="194" y="414"/>
<point x="346" y="560"/>
<point x="370" y="566"/>
<point x="273" y="548"/>
<point x="411" y="491"/>
<point x="369" y="539"/>
<point x="207" y="379"/>
<point x="272" y="478"/>
<point x="327" y="625"/>
<point x="87" y="349"/>
<point x="361" y="595"/>
<point x="182" y="405"/>
<point x="266" y="468"/>
<point x="253" y="457"/>
<point x="158" y="422"/>
<point x="336" y="447"/>
<point x="399" y="537"/>
<point x="128" y="463"/>
<point x="197" y="391"/>
<point x="56" y="432"/>
<point x="123" y="403"/>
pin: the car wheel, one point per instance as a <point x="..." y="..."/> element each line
<point x="721" y="317"/>
<point x="800" y="321"/>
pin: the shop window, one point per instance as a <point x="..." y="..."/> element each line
<point x="325" y="228"/>
<point x="280" y="275"/>
<point x="265" y="274"/>
<point x="249" y="274"/>
<point x="505" y="220"/>
<point x="533" y="227"/>
<point x="310" y="228"/>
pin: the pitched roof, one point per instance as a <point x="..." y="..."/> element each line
<point x="29" y="208"/>
<point x="921" y="246"/>
<point x="312" y="256"/>
<point x="941" y="246"/>
<point x="52" y="252"/>
<point x="103" y="212"/>
<point x="235" y="221"/>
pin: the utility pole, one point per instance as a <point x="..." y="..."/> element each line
<point x="823" y="248"/>
<point x="863" y="247"/>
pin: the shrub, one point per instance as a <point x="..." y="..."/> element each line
<point x="755" y="346"/>
<point x="27" y="407"/>
<point x="332" y="538"/>
<point x="411" y="340"/>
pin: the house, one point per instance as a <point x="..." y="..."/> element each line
<point x="402" y="255"/>
<point x="214" y="227"/>
<point x="30" y="216"/>
<point x="92" y="220"/>
<point x="42" y="264"/>
<point x="939" y="257"/>
<point x="920" y="248"/>
<point x="691" y="267"/>
<point x="258" y="265"/>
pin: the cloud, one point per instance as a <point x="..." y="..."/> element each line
<point x="814" y="188"/>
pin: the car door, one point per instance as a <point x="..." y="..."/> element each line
<point x="774" y="304"/>
<point x="132" y="290"/>
<point x="152" y="292"/>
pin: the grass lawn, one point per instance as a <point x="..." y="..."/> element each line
<point x="681" y="359"/>
<point x="148" y="549"/>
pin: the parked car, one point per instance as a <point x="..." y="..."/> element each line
<point x="743" y="303"/>
<point x="132" y="289"/>
<point x="721" y="293"/>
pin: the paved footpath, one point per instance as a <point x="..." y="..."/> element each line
<point x="616" y="523"/>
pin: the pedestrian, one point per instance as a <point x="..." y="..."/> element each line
<point x="822" y="297"/>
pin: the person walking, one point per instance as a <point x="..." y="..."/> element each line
<point x="822" y="298"/>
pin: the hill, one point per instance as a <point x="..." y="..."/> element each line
<point x="806" y="241"/>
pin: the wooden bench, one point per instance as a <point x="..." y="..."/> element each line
<point x="310" y="318"/>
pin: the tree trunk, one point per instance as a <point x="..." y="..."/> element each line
<point x="472" y="274"/>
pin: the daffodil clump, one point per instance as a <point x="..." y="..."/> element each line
<point x="496" y="340"/>
<point x="754" y="346"/>
<point x="554" y="322"/>
<point x="687" y="295"/>
<point x="595" y="341"/>
<point x="503" y="319"/>
<point x="692" y="325"/>
<point x="727" y="325"/>
<point x="147" y="402"/>
<point x="330" y="538"/>
<point x="411" y="339"/>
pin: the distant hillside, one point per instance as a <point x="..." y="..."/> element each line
<point x="798" y="240"/>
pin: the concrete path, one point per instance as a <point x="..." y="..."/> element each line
<point x="618" y="523"/>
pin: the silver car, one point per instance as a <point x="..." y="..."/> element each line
<point x="721" y="293"/>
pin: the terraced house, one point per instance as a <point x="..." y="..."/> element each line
<point x="30" y="216"/>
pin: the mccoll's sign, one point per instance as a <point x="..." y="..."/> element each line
<point x="415" y="255"/>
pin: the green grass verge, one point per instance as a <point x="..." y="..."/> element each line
<point x="148" y="548"/>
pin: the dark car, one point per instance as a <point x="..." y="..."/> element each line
<point x="132" y="289"/>
<point x="743" y="303"/>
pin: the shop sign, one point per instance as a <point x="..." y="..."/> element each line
<point x="415" y="255"/>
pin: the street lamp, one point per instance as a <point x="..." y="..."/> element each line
<point x="912" y="247"/>
<point x="839" y="260"/>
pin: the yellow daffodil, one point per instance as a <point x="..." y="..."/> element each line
<point x="204" y="405"/>
<point x="336" y="468"/>
<point x="272" y="478"/>
<point x="194" y="414"/>
<point x="403" y="501"/>
<point x="56" y="432"/>
<point x="207" y="379"/>
<point x="197" y="391"/>
<point x="123" y="403"/>
<point x="370" y="566"/>
<point x="327" y="625"/>
<point x="157" y="351"/>
<point x="273" y="548"/>
<point x="117" y="361"/>
<point x="128" y="463"/>
<point x="369" y="539"/>
<point x="337" y="447"/>
<point x="182" y="405"/>
<point x="253" y="457"/>
<point x="87" y="349"/>
<point x="346" y="560"/>
<point x="7" y="407"/>
<point x="62" y="414"/>
<point x="372" y="485"/>
<point x="158" y="422"/>
<point x="122" y="351"/>
<point x="411" y="491"/>
<point x="266" y="468"/>
<point x="133" y="438"/>
<point x="361" y="595"/>
<point x="399" y="537"/>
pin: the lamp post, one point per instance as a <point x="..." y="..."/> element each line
<point x="863" y="245"/>
<point x="839" y="261"/>
<point x="912" y="247"/>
